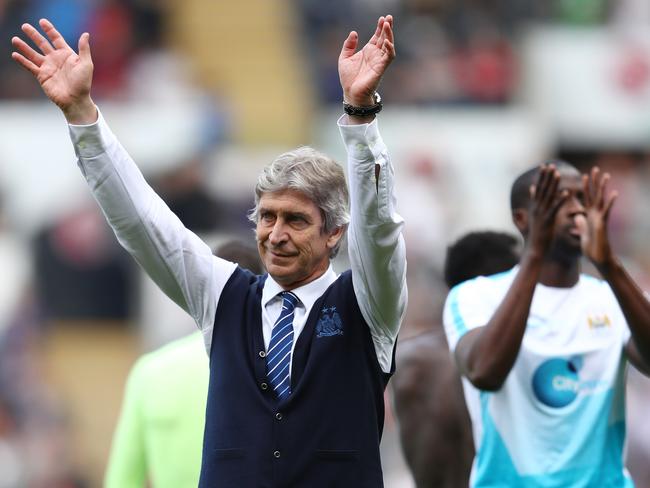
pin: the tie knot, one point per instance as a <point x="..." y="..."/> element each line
<point x="289" y="300"/>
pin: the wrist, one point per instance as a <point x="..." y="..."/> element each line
<point x="534" y="249"/>
<point x="83" y="112"/>
<point x="532" y="256"/>
<point x="365" y="99"/>
<point x="362" y="106"/>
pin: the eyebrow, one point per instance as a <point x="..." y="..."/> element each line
<point x="287" y="213"/>
<point x="298" y="215"/>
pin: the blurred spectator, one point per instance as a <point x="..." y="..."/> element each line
<point x="427" y="393"/>
<point x="122" y="30"/>
<point x="12" y="463"/>
<point x="112" y="27"/>
<point x="461" y="52"/>
<point x="83" y="273"/>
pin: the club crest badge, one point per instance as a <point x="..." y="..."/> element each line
<point x="329" y="324"/>
<point x="598" y="321"/>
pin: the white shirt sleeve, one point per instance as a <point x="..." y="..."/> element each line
<point x="178" y="261"/>
<point x="375" y="241"/>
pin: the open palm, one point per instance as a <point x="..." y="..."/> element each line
<point x="593" y="225"/>
<point x="64" y="75"/>
<point x="360" y="72"/>
<point x="545" y="201"/>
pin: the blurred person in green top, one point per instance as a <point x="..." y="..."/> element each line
<point x="158" y="440"/>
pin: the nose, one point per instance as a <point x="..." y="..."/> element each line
<point x="278" y="233"/>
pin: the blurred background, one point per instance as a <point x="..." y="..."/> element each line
<point x="204" y="93"/>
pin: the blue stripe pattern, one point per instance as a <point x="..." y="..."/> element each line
<point x="457" y="318"/>
<point x="278" y="357"/>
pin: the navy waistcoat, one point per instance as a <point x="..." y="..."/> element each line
<point x="327" y="432"/>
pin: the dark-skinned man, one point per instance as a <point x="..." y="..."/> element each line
<point x="543" y="348"/>
<point x="434" y="427"/>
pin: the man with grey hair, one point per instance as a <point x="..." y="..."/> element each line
<point x="300" y="357"/>
<point x="313" y="174"/>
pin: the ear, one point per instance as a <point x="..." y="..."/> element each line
<point x="335" y="236"/>
<point x="520" y="219"/>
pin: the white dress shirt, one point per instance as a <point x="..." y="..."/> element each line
<point x="185" y="269"/>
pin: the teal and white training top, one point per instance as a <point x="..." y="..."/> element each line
<point x="559" y="419"/>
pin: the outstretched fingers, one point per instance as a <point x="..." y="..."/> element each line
<point x="604" y="199"/>
<point x="553" y="182"/>
<point x="549" y="199"/>
<point x="608" y="204"/>
<point x="595" y="192"/>
<point x="53" y="34"/>
<point x="547" y="184"/>
<point x="586" y="191"/>
<point x="595" y="188"/>
<point x="564" y="195"/>
<point x="388" y="50"/>
<point x="387" y="29"/>
<point x="378" y="30"/>
<point x="37" y="38"/>
<point x="25" y="63"/>
<point x="601" y="190"/>
<point x="26" y="51"/>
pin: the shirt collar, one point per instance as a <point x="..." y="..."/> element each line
<point x="307" y="294"/>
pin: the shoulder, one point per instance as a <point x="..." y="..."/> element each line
<point x="342" y="285"/>
<point x="241" y="283"/>
<point x="242" y="276"/>
<point x="426" y="348"/>
<point x="345" y="277"/>
<point x="595" y="288"/>
<point x="591" y="282"/>
<point x="481" y="286"/>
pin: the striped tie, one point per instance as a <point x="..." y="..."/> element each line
<point x="278" y="356"/>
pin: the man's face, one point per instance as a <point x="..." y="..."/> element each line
<point x="566" y="236"/>
<point x="292" y="244"/>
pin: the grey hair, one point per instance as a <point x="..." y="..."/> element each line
<point x="314" y="174"/>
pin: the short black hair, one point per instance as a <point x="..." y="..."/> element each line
<point x="242" y="253"/>
<point x="480" y="254"/>
<point x="520" y="190"/>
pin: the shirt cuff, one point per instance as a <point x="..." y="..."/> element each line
<point x="87" y="139"/>
<point x="362" y="140"/>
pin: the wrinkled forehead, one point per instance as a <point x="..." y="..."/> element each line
<point x="288" y="198"/>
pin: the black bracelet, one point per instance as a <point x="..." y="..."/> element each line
<point x="364" y="111"/>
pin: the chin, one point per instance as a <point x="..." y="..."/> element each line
<point x="567" y="250"/>
<point x="280" y="274"/>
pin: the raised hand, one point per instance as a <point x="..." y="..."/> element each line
<point x="544" y="204"/>
<point x="64" y="75"/>
<point x="593" y="225"/>
<point x="360" y="71"/>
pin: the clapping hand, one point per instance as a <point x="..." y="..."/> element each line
<point x="593" y="224"/>
<point x="360" y="71"/>
<point x="544" y="205"/>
